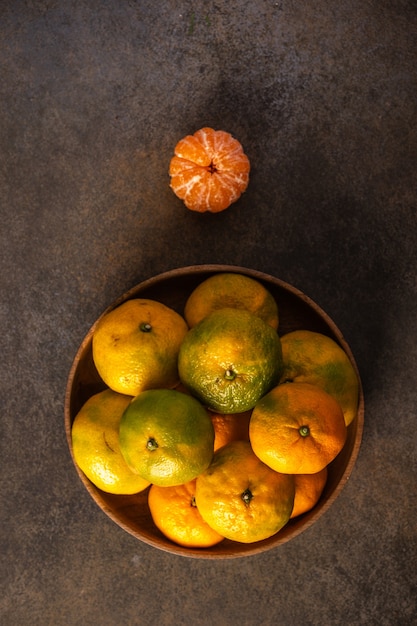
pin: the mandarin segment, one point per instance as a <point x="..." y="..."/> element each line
<point x="209" y="170"/>
<point x="190" y="149"/>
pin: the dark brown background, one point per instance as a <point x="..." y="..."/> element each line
<point x="94" y="95"/>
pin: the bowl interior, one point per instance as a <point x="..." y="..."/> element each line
<point x="296" y="311"/>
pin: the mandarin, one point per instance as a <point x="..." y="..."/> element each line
<point x="230" y="359"/>
<point x="166" y="437"/>
<point x="95" y="444"/>
<point x="230" y="290"/>
<point x="312" y="357"/>
<point x="136" y="345"/>
<point x="297" y="428"/>
<point x="175" y="513"/>
<point x="308" y="489"/>
<point x="209" y="171"/>
<point x="242" y="498"/>
<point x="230" y="427"/>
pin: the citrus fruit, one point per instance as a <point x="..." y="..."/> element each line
<point x="95" y="444"/>
<point x="227" y="426"/>
<point x="297" y="428"/>
<point x="242" y="498"/>
<point x="135" y="346"/>
<point x="230" y="290"/>
<point x="308" y="489"/>
<point x="230" y="427"/>
<point x="314" y="358"/>
<point x="230" y="359"/>
<point x="175" y="513"/>
<point x="166" y="437"/>
<point x="209" y="171"/>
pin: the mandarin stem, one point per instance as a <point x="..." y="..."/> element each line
<point x="151" y="444"/>
<point x="247" y="496"/>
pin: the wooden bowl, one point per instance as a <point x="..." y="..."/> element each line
<point x="296" y="311"/>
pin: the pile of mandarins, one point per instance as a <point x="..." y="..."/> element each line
<point x="228" y="425"/>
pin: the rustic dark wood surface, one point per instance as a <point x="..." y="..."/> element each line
<point x="93" y="96"/>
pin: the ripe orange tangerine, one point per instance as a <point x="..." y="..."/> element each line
<point x="297" y="428"/>
<point x="175" y="513"/>
<point x="209" y="171"/>
<point x="242" y="498"/>
<point x="230" y="427"/>
<point x="308" y="489"/>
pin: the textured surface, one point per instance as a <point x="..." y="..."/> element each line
<point x="93" y="98"/>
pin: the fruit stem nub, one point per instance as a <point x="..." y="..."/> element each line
<point x="230" y="374"/>
<point x="145" y="327"/>
<point x="247" y="496"/>
<point x="304" y="431"/>
<point x="151" y="444"/>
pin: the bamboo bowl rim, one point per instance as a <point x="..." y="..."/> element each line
<point x="297" y="311"/>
